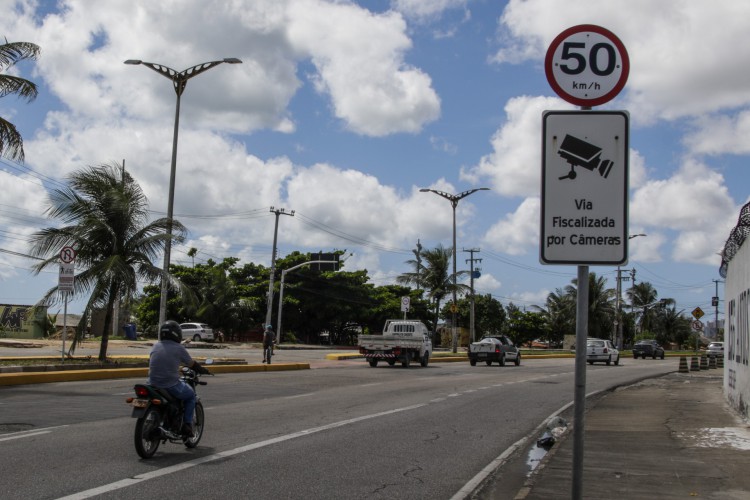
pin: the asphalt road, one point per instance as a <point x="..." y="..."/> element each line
<point x="339" y="430"/>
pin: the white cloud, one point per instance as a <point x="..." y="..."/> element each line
<point x="693" y="201"/>
<point x="372" y="88"/>
<point x="424" y="11"/>
<point x="517" y="232"/>
<point x="514" y="166"/>
<point x="684" y="55"/>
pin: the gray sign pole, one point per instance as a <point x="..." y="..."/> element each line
<point x="582" y="333"/>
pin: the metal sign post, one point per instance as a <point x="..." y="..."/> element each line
<point x="584" y="219"/>
<point x="65" y="284"/>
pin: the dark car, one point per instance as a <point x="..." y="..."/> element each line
<point x="648" y="348"/>
<point x="494" y="349"/>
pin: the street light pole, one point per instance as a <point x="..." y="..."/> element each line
<point x="454" y="199"/>
<point x="179" y="81"/>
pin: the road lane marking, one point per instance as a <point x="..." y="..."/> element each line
<point x="29" y="433"/>
<point x="124" y="483"/>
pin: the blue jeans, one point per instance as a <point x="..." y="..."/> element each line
<point x="186" y="393"/>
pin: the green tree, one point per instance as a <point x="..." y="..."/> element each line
<point x="104" y="216"/>
<point x="436" y="278"/>
<point x="559" y="313"/>
<point x="11" y="142"/>
<point x="601" y="305"/>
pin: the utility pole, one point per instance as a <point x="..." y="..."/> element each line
<point x="419" y="265"/>
<point x="278" y="211"/>
<point x="471" y="311"/>
<point x="715" y="303"/>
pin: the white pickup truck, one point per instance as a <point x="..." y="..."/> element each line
<point x="401" y="340"/>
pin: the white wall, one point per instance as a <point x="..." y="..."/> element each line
<point x="737" y="330"/>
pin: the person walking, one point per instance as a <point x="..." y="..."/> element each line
<point x="268" y="340"/>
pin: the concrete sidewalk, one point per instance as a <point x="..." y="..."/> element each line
<point x="669" y="437"/>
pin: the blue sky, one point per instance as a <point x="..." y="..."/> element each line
<point x="343" y="110"/>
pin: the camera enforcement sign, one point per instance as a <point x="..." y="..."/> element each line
<point x="584" y="216"/>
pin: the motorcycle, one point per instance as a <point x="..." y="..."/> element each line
<point x="160" y="415"/>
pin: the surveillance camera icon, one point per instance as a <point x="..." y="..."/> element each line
<point x="579" y="153"/>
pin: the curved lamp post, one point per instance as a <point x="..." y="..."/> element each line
<point x="179" y="81"/>
<point x="454" y="198"/>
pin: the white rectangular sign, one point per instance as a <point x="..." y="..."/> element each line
<point x="66" y="278"/>
<point x="584" y="217"/>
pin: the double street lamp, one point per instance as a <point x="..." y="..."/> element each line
<point x="454" y="199"/>
<point x="179" y="81"/>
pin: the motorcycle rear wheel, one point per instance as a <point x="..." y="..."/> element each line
<point x="198" y="422"/>
<point x="147" y="437"/>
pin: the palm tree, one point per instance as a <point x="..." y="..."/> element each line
<point x="601" y="306"/>
<point x="641" y="296"/>
<point x="559" y="312"/>
<point x="435" y="276"/>
<point x="104" y="212"/>
<point x="11" y="142"/>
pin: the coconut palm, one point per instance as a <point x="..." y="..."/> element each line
<point x="435" y="276"/>
<point x="559" y="312"/>
<point x="11" y="142"/>
<point x="104" y="216"/>
<point x="601" y="305"/>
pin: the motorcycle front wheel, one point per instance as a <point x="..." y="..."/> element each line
<point x="198" y="422"/>
<point x="147" y="436"/>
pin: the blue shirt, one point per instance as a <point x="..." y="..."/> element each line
<point x="164" y="363"/>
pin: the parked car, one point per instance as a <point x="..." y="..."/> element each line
<point x="648" y="348"/>
<point x="494" y="349"/>
<point x="715" y="349"/>
<point x="601" y="350"/>
<point x="197" y="331"/>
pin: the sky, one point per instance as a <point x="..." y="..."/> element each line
<point x="343" y="110"/>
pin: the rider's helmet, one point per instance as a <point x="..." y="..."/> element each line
<point x="269" y="327"/>
<point x="171" y="330"/>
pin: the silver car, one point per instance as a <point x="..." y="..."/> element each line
<point x="197" y="331"/>
<point x="715" y="350"/>
<point x="601" y="350"/>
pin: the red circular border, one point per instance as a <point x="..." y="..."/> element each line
<point x="580" y="29"/>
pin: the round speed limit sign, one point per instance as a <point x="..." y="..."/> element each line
<point x="587" y="65"/>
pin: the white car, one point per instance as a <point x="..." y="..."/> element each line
<point x="715" y="349"/>
<point x="601" y="350"/>
<point x="197" y="331"/>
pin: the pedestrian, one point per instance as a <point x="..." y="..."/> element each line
<point x="268" y="340"/>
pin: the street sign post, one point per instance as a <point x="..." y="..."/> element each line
<point x="65" y="284"/>
<point x="587" y="65"/>
<point x="584" y="217"/>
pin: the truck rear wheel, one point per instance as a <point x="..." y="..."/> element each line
<point x="425" y="359"/>
<point x="473" y="362"/>
<point x="373" y="362"/>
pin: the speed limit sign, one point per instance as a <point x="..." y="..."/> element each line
<point x="587" y="65"/>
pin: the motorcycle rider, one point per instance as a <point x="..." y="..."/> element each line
<point x="163" y="370"/>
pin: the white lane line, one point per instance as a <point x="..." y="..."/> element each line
<point x="124" y="483"/>
<point x="299" y="396"/>
<point x="29" y="433"/>
<point x="25" y="435"/>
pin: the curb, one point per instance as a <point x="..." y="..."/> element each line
<point x="24" y="378"/>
